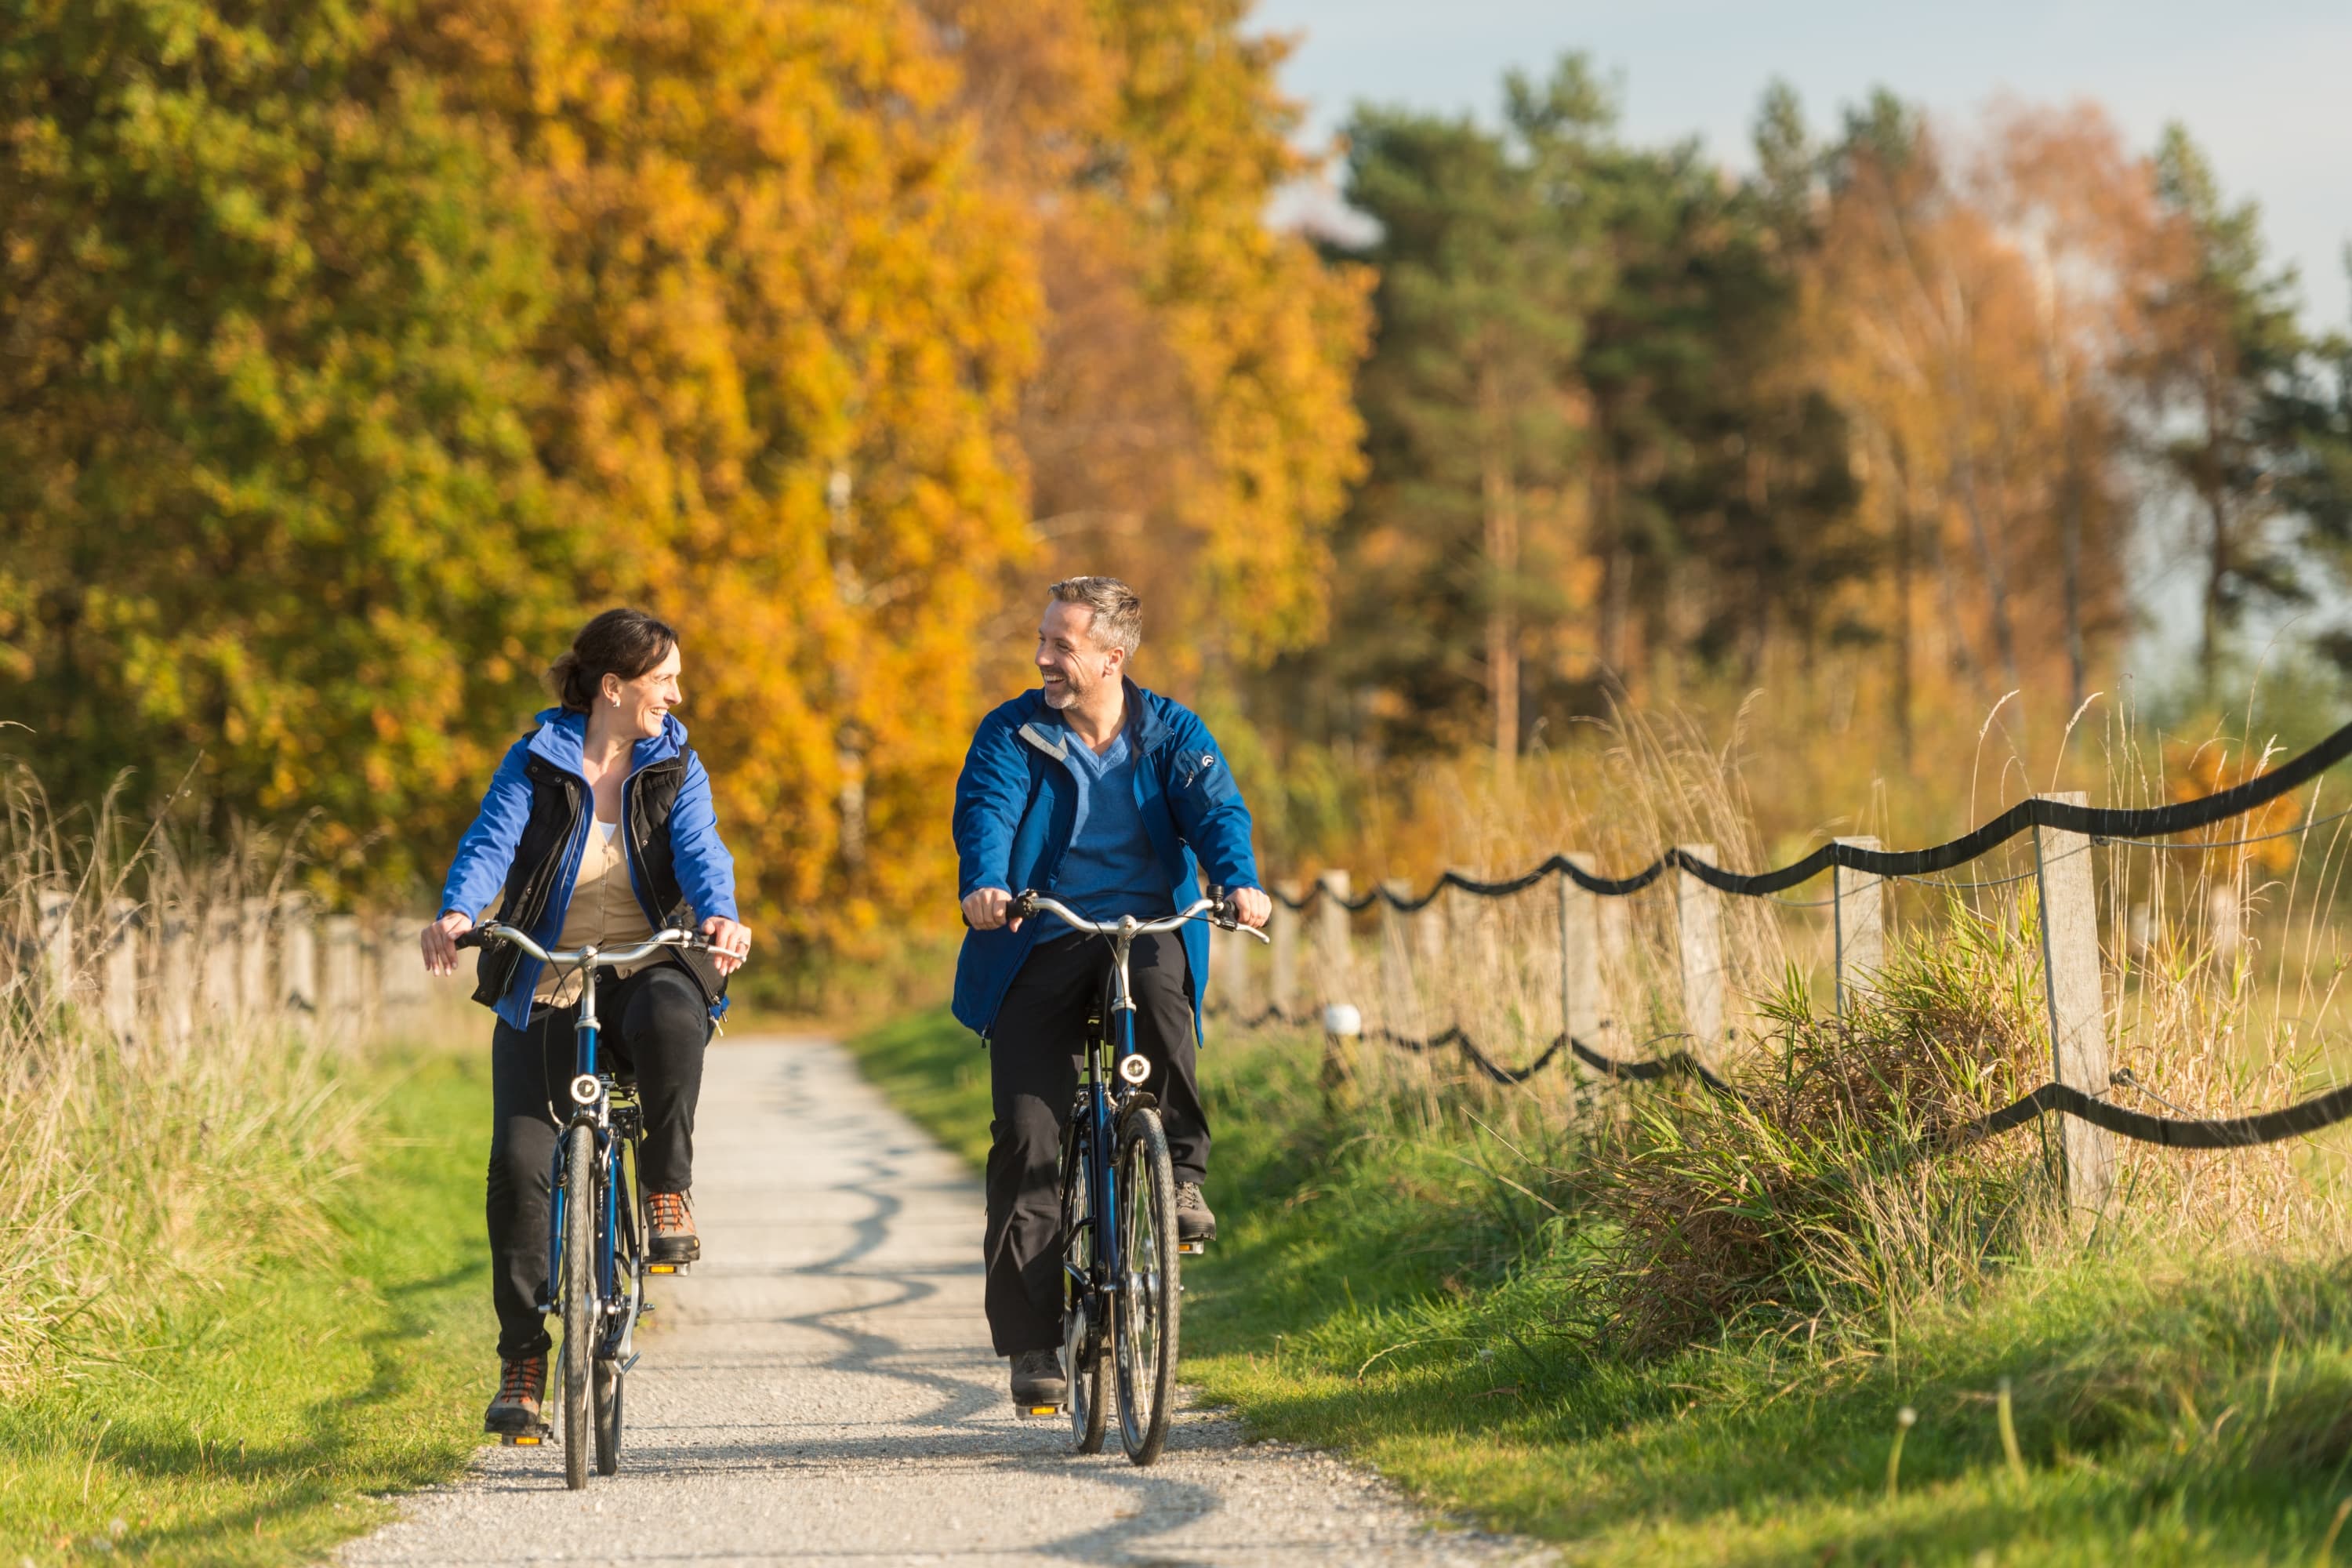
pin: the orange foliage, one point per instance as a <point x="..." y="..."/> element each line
<point x="1190" y="427"/>
<point x="786" y="357"/>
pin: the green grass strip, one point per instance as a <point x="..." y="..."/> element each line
<point x="1385" y="1292"/>
<point x="259" y="1417"/>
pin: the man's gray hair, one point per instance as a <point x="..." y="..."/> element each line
<point x="1118" y="609"/>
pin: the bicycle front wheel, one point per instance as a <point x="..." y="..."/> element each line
<point x="608" y="1416"/>
<point x="580" y="1303"/>
<point x="1144" y="1307"/>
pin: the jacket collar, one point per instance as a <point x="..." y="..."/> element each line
<point x="1144" y="726"/>
<point x="562" y="739"/>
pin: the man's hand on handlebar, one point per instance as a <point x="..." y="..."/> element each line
<point x="1251" y="908"/>
<point x="984" y="908"/>
<point x="439" y="940"/>
<point x="730" y="943"/>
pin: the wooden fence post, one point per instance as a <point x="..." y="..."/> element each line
<point x="1332" y="956"/>
<point x="55" y="937"/>
<point x="339" y="975"/>
<point x="2078" y="1014"/>
<point x="1401" y="1002"/>
<point x="1282" y="983"/>
<point x="1336" y="976"/>
<point x="1579" y="963"/>
<point x="175" y="978"/>
<point x="253" y="988"/>
<point x="1858" y="902"/>
<point x="298" y="956"/>
<point x="216" y="950"/>
<point x="119" y="941"/>
<point x="1700" y="924"/>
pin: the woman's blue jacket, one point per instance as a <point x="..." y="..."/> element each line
<point x="1017" y="799"/>
<point x="704" y="870"/>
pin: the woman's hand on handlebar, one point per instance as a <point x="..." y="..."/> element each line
<point x="439" y="940"/>
<point x="1251" y="908"/>
<point x="730" y="943"/>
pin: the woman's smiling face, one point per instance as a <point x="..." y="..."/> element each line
<point x="636" y="708"/>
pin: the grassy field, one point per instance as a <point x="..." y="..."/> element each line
<point x="254" y="1415"/>
<point x="1419" y="1292"/>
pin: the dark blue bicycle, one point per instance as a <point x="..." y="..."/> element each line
<point x="1120" y="1286"/>
<point x="596" y="1226"/>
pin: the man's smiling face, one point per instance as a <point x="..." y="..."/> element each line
<point x="1069" y="660"/>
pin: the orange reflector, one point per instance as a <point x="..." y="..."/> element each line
<point x="1045" y="1410"/>
<point x="524" y="1442"/>
<point x="661" y="1267"/>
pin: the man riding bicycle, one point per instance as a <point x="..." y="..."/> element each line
<point x="597" y="830"/>
<point x="1115" y="800"/>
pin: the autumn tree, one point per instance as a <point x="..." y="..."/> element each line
<point x="789" y="327"/>
<point x="1189" y="424"/>
<point x="268" y="505"/>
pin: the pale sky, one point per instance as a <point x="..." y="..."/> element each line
<point x="2261" y="84"/>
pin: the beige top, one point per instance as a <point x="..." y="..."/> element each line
<point x="603" y="910"/>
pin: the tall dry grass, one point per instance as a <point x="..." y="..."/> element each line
<point x="136" y="1176"/>
<point x="1816" y="1196"/>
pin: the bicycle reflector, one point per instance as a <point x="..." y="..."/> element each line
<point x="1134" y="1067"/>
<point x="584" y="1089"/>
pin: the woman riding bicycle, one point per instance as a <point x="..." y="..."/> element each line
<point x="597" y="829"/>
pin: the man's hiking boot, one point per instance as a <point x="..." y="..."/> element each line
<point x="673" y="1240"/>
<point x="1194" y="1223"/>
<point x="514" y="1413"/>
<point x="1037" y="1380"/>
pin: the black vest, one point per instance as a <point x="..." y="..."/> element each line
<point x="558" y="800"/>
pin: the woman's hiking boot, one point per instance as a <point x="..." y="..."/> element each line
<point x="1194" y="1223"/>
<point x="514" y="1412"/>
<point x="673" y="1240"/>
<point x="1037" y="1380"/>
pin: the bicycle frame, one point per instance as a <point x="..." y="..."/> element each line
<point x="1103" y="1112"/>
<point x="617" y="1127"/>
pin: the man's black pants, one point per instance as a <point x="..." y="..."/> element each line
<point x="655" y="1024"/>
<point x="1034" y="1061"/>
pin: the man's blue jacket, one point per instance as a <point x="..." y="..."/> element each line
<point x="1016" y="800"/>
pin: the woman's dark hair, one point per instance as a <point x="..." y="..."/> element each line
<point x="626" y="643"/>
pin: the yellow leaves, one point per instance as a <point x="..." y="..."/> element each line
<point x="2193" y="771"/>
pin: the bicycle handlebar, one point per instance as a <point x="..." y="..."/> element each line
<point x="1217" y="912"/>
<point x="491" y="931"/>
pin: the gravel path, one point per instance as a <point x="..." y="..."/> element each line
<point x="821" y="1390"/>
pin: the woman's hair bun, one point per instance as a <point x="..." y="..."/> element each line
<point x="621" y="642"/>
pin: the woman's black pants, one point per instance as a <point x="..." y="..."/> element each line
<point x="655" y="1025"/>
<point x="1033" y="1061"/>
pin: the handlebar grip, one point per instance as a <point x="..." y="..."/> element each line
<point x="1025" y="904"/>
<point x="475" y="939"/>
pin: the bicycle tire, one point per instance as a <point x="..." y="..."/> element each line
<point x="1144" y="1308"/>
<point x="580" y="1312"/>
<point x="1083" y="1349"/>
<point x="608" y="1416"/>
<point x="629" y="1273"/>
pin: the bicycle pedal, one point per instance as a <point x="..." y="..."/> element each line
<point x="527" y="1439"/>
<point x="1037" y="1412"/>
<point x="668" y="1268"/>
<point x="1191" y="1248"/>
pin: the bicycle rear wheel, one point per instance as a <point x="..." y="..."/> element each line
<point x="580" y="1312"/>
<point x="1144" y="1308"/>
<point x="1082" y="1329"/>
